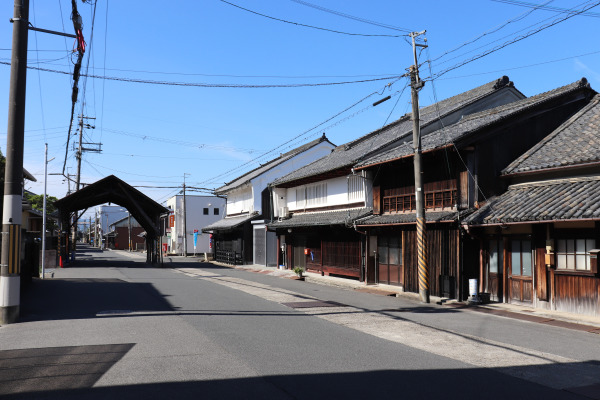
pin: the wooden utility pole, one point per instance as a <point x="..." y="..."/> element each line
<point x="423" y="263"/>
<point x="10" y="268"/>
<point x="184" y="220"/>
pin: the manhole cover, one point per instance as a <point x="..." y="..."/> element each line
<point x="313" y="304"/>
<point x="113" y="312"/>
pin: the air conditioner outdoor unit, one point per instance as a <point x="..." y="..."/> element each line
<point x="284" y="212"/>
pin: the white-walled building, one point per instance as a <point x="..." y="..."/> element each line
<point x="241" y="237"/>
<point x="200" y="212"/>
<point x="106" y="216"/>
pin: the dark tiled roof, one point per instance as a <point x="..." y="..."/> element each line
<point x="470" y="124"/>
<point x="410" y="218"/>
<point x="575" y="142"/>
<point x="350" y="153"/>
<point x="248" y="176"/>
<point x="229" y="223"/>
<point x="561" y="199"/>
<point x="342" y="217"/>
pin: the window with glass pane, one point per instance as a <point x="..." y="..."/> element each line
<point x="521" y="257"/>
<point x="516" y="257"/>
<point x="493" y="256"/>
<point x="382" y="250"/>
<point x="395" y="251"/>
<point x="573" y="254"/>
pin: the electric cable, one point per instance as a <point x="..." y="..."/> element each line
<point x="263" y="155"/>
<point x="544" y="7"/>
<point x="359" y="19"/>
<point x="513" y="41"/>
<point x="493" y="30"/>
<point x="217" y="85"/>
<point x="305" y="25"/>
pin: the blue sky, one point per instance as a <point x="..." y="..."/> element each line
<point x="152" y="134"/>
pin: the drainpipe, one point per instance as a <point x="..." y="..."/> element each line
<point x="364" y="256"/>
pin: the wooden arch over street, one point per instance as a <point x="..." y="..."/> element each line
<point x="113" y="190"/>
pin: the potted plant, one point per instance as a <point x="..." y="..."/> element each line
<point x="299" y="271"/>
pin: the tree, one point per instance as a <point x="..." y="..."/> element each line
<point x="37" y="203"/>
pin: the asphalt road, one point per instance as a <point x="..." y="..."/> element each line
<point x="109" y="326"/>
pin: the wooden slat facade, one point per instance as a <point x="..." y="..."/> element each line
<point x="443" y="243"/>
<point x="577" y="294"/>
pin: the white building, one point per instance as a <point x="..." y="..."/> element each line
<point x="108" y="215"/>
<point x="200" y="211"/>
<point x="242" y="238"/>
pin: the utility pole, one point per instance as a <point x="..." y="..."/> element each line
<point x="422" y="259"/>
<point x="129" y="228"/>
<point x="10" y="260"/>
<point x="184" y="220"/>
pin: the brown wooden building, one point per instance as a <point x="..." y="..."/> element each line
<point x="461" y="169"/>
<point x="321" y="234"/>
<point x="537" y="238"/>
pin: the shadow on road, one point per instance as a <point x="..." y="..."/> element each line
<point x="56" y="299"/>
<point x="380" y="384"/>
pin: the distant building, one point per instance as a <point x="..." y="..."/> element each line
<point x="200" y="211"/>
<point x="124" y="230"/>
<point x="108" y="215"/>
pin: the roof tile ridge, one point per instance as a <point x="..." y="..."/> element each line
<point x="552" y="182"/>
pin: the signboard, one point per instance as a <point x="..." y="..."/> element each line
<point x="210" y="241"/>
<point x="195" y="238"/>
<point x="172" y="220"/>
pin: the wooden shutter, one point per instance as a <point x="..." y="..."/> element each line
<point x="376" y="200"/>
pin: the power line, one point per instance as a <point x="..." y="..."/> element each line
<point x="544" y="7"/>
<point x="248" y="76"/>
<point x="217" y="85"/>
<point x="39" y="80"/>
<point x="104" y="72"/>
<point x="537" y="24"/>
<point x="486" y="33"/>
<point x="265" y="154"/>
<point x="524" y="66"/>
<point x="304" y="25"/>
<point x="359" y="19"/>
<point x="515" y="40"/>
<point x="179" y="142"/>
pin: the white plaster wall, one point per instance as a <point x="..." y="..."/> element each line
<point x="195" y="219"/>
<point x="337" y="194"/>
<point x="240" y="200"/>
<point x="236" y="198"/>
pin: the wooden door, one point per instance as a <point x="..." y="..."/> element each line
<point x="371" y="259"/>
<point x="494" y="271"/>
<point x="389" y="251"/>
<point x="521" y="267"/>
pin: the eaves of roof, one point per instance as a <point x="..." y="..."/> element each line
<point x="411" y="218"/>
<point x="325" y="218"/>
<point x="570" y="199"/>
<point x="229" y="223"/>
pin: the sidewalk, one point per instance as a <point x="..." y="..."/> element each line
<point x="548" y="317"/>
